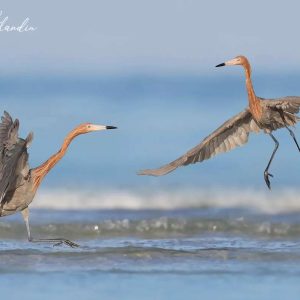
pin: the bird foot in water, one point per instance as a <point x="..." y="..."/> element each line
<point x="267" y="180"/>
<point x="56" y="242"/>
<point x="66" y="242"/>
<point x="69" y="243"/>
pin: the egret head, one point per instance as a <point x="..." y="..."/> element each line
<point x="89" y="127"/>
<point x="239" y="60"/>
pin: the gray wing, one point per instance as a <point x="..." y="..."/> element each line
<point x="13" y="154"/>
<point x="8" y="132"/>
<point x="231" y="134"/>
<point x="290" y="104"/>
<point x="281" y="112"/>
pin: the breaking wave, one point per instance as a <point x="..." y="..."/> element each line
<point x="286" y="200"/>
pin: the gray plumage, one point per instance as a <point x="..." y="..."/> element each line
<point x="14" y="168"/>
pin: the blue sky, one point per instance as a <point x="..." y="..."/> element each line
<point x="149" y="36"/>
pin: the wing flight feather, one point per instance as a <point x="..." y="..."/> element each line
<point x="231" y="134"/>
<point x="13" y="154"/>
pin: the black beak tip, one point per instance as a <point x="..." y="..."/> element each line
<point x="111" y="127"/>
<point x="220" y="65"/>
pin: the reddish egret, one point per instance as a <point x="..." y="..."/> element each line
<point x="261" y="114"/>
<point x="19" y="183"/>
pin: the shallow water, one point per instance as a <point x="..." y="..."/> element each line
<point x="153" y="254"/>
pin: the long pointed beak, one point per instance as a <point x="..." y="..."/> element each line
<point x="233" y="62"/>
<point x="94" y="127"/>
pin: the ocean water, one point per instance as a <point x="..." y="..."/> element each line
<point x="207" y="231"/>
<point x="153" y="254"/>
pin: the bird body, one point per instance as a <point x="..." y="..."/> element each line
<point x="19" y="183"/>
<point x="277" y="113"/>
<point x="16" y="184"/>
<point x="19" y="198"/>
<point x="261" y="114"/>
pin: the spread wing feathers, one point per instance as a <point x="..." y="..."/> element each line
<point x="290" y="104"/>
<point x="8" y="131"/>
<point x="231" y="134"/>
<point x="282" y="111"/>
<point x="13" y="155"/>
<point x="12" y="166"/>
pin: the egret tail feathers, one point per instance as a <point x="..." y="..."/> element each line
<point x="160" y="171"/>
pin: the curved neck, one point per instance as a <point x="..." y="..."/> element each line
<point x="254" y="102"/>
<point x="41" y="171"/>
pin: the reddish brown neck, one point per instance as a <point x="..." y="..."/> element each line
<point x="41" y="171"/>
<point x="254" y="102"/>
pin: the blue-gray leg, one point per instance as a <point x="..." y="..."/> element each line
<point x="266" y="172"/>
<point x="55" y="241"/>
<point x="293" y="136"/>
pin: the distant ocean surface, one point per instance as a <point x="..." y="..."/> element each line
<point x="208" y="231"/>
<point x="158" y="117"/>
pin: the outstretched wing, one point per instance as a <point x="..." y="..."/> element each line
<point x="290" y="104"/>
<point x="8" y="132"/>
<point x="231" y="134"/>
<point x="13" y="154"/>
<point x="281" y="112"/>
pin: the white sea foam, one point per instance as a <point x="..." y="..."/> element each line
<point x="286" y="200"/>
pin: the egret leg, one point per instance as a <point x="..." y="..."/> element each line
<point x="55" y="241"/>
<point x="290" y="131"/>
<point x="266" y="172"/>
<point x="293" y="136"/>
